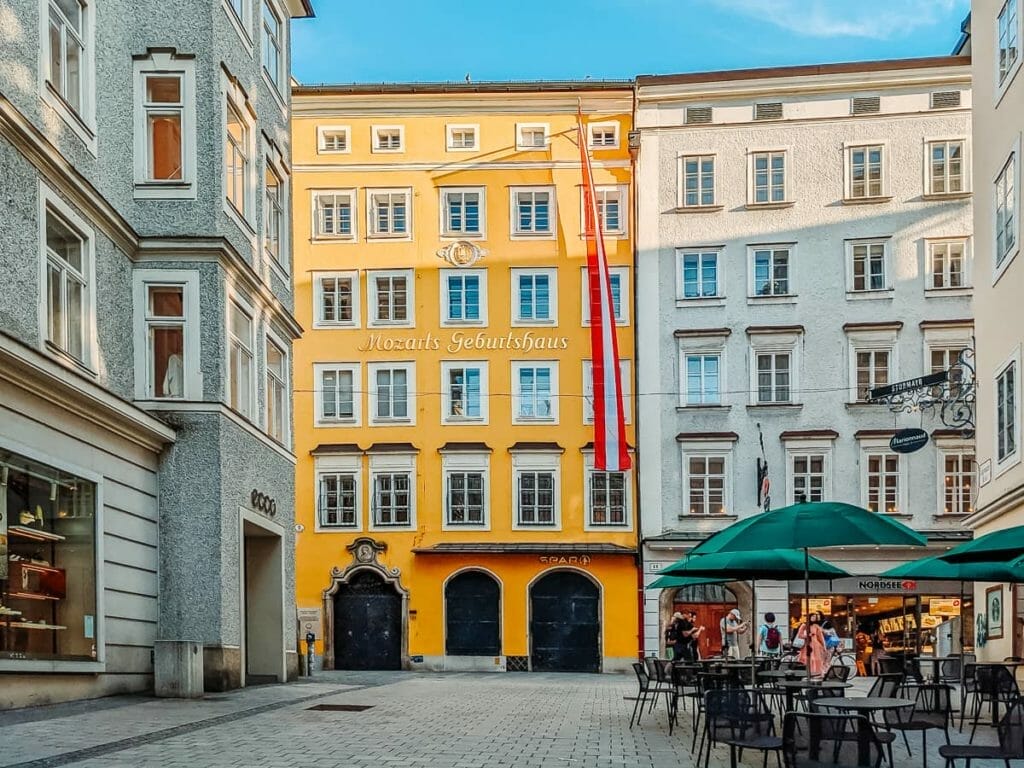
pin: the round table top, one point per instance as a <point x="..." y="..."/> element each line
<point x="996" y="663"/>
<point x="827" y="684"/>
<point x="865" y="703"/>
<point x="781" y="674"/>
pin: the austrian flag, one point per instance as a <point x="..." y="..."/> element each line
<point x="611" y="453"/>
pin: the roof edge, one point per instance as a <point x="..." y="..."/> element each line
<point x="482" y="87"/>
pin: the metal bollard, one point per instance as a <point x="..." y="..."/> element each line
<point x="310" y="640"/>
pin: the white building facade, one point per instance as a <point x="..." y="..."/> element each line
<point x="804" y="235"/>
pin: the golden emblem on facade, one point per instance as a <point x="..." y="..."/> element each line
<point x="461" y="253"/>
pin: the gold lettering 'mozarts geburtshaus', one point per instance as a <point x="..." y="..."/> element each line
<point x="461" y="341"/>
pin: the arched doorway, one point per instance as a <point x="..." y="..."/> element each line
<point x="367" y="623"/>
<point x="472" y="601"/>
<point x="711" y="602"/>
<point x="565" y="624"/>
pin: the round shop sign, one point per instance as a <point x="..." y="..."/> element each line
<point x="909" y="440"/>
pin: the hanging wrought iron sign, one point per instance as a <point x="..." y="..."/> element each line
<point x="909" y="440"/>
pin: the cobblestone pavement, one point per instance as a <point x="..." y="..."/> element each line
<point x="437" y="720"/>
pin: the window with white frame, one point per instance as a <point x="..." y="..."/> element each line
<point x="873" y="370"/>
<point x="611" y="209"/>
<point x="390" y="297"/>
<point x="1007" y="418"/>
<point x="706" y="480"/>
<point x="240" y="8"/>
<point x="607" y="497"/>
<point x="868" y="266"/>
<point x="241" y="360"/>
<point x="697" y="181"/>
<point x="239" y="148"/>
<point x="770" y="271"/>
<point x="534" y="297"/>
<point x="882" y="481"/>
<point x="461" y="138"/>
<point x="957" y="471"/>
<point x="464" y="391"/>
<point x="334" y="139"/>
<point x="701" y="372"/>
<point x="462" y="211"/>
<point x="533" y="211"/>
<point x="603" y="135"/>
<point x="273" y="45"/>
<point x="68" y="316"/>
<point x="531" y="135"/>
<point x="466" y="489"/>
<point x="464" y="296"/>
<point x="338" y="394"/>
<point x="393" y="491"/>
<point x="68" y="54"/>
<point x="535" y="392"/>
<point x="167" y="334"/>
<point x="392" y="393"/>
<point x="388" y="211"/>
<point x="165" y="126"/>
<point x="277" y="390"/>
<point x="946" y="167"/>
<point x="865" y="171"/>
<point x="336" y="298"/>
<point x="1006" y="29"/>
<point x="388" y="138"/>
<point x="338" y="498"/>
<point x="334" y="214"/>
<point x="1006" y="209"/>
<point x="274" y="241"/>
<point x="947" y="264"/>
<point x="808" y="475"/>
<point x="618" y="277"/>
<point x="774" y="376"/>
<point x="625" y="381"/>
<point x="537" y="489"/>
<point x="768" y="177"/>
<point x="944" y="347"/>
<point x="699" y="276"/>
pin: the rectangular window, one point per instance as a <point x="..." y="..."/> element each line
<point x="705" y="485"/>
<point x="607" y="499"/>
<point x="337" y="502"/>
<point x="866" y="171"/>
<point x="771" y="271"/>
<point x="464" y="390"/>
<point x="948" y="359"/>
<point x="883" y="486"/>
<point x="769" y="177"/>
<point x="335" y="214"/>
<point x="604" y="135"/>
<point x="698" y="181"/>
<point x="339" y="395"/>
<point x="1007" y="30"/>
<point x="463" y="212"/>
<point x="699" y="275"/>
<point x="163" y="107"/>
<point x="462" y="137"/>
<point x="272" y="45"/>
<point x="945" y="167"/>
<point x="389" y="214"/>
<point x="618" y="278"/>
<point x="1006" y="413"/>
<point x="388" y="138"/>
<point x="957" y="483"/>
<point x="241" y="360"/>
<point x="390" y="299"/>
<point x="165" y="340"/>
<point x="277" y="391"/>
<point x="773" y="377"/>
<point x="532" y="212"/>
<point x="625" y="381"/>
<point x="872" y="371"/>
<point x="868" y="264"/>
<point x="611" y="212"/>
<point x="237" y="159"/>
<point x="808" y="477"/>
<point x="535" y="392"/>
<point x="463" y="298"/>
<point x="391" y="393"/>
<point x="1006" y="210"/>
<point x="67" y="53"/>
<point x="333" y="139"/>
<point x="948" y="268"/>
<point x="238" y="6"/>
<point x="534" y="296"/>
<point x="337" y="299"/>
<point x="464" y="497"/>
<point x="536" y="498"/>
<point x="531" y="136"/>
<point x="392" y="498"/>
<point x="273" y="215"/>
<point x="703" y="379"/>
<point x="66" y="288"/>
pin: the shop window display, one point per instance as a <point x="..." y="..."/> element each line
<point x="47" y="563"/>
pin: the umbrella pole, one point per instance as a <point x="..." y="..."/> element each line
<point x="755" y="639"/>
<point x="962" y="671"/>
<point x="807" y="610"/>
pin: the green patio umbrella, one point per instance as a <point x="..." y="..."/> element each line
<point x="998" y="546"/>
<point x="667" y="582"/>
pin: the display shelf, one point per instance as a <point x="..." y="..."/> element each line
<point x="31" y="596"/>
<point x="28" y="565"/>
<point x="33" y="533"/>
<point x="30" y="625"/>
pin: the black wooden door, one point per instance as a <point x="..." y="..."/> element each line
<point x="472" y="628"/>
<point x="565" y="624"/>
<point x="367" y="624"/>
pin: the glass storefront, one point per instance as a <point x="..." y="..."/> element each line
<point x="47" y="562"/>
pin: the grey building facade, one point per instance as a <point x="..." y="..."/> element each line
<point x="146" y="462"/>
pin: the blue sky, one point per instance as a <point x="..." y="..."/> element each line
<point x="427" y="40"/>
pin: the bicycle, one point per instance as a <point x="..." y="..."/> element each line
<point x="838" y="657"/>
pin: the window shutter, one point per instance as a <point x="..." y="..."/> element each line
<point x="697" y="115"/>
<point x="770" y="110"/>
<point x="945" y="99"/>
<point x="866" y="105"/>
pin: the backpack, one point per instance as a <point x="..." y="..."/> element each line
<point x="772" y="638"/>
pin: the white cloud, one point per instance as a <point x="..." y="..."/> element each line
<point x="873" y="19"/>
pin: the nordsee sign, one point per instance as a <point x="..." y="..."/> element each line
<point x="909" y="440"/>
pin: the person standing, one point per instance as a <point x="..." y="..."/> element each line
<point x="861" y="643"/>
<point x="694" y="647"/>
<point x="733" y="627"/>
<point x="812" y="650"/>
<point x="769" y="637"/>
<point x="674" y="640"/>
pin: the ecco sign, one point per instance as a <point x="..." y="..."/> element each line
<point x="263" y="503"/>
<point x="909" y="440"/>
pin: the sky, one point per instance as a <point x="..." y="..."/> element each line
<point x="437" y="40"/>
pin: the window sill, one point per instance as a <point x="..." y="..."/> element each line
<point x="340" y="423"/>
<point x="898" y="515"/>
<point x="698" y="208"/>
<point x="462" y="149"/>
<point x="938" y="293"/>
<point x="536" y="526"/>
<point x="156" y="190"/>
<point x="382" y="151"/>
<point x="386" y="237"/>
<point x="770" y="206"/>
<point x="620" y="322"/>
<point x="324" y="325"/>
<point x="472" y="421"/>
<point x="775" y="406"/>
<point x="463" y="323"/>
<point x="701" y="301"/>
<point x="867" y="200"/>
<point x="884" y="293"/>
<point x="1003" y="264"/>
<point x="84" y="129"/>
<point x="952" y="516"/>
<point x="534" y="422"/>
<point x="607" y="527"/>
<point x="713" y="408"/>
<point x="787" y="298"/>
<point x="386" y="324"/>
<point x="240" y="220"/>
<point x="322" y="151"/>
<point x="532" y="236"/>
<point x="392" y="527"/>
<point x="694" y="516"/>
<point x="455" y="237"/>
<point x="933" y="196"/>
<point x="318" y="238"/>
<point x="534" y="323"/>
<point x="69" y="361"/>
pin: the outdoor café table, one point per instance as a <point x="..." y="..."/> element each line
<point x="865" y="705"/>
<point x="936" y="662"/>
<point x="792" y="686"/>
<point x="781" y="674"/>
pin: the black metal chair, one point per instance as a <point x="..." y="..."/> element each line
<point x="933" y="709"/>
<point x="819" y="740"/>
<point x="1011" y="742"/>
<point x="995" y="685"/>
<point x="969" y="688"/>
<point x="838" y="672"/>
<point x="644" y="683"/>
<point x="659" y="684"/>
<point x="740" y="719"/>
<point x="706" y="682"/>
<point x="812" y="696"/>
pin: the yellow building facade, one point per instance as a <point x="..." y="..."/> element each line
<point x="450" y="515"/>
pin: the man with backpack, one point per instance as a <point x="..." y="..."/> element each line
<point x="769" y="637"/>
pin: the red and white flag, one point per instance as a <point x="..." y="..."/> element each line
<point x="611" y="453"/>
